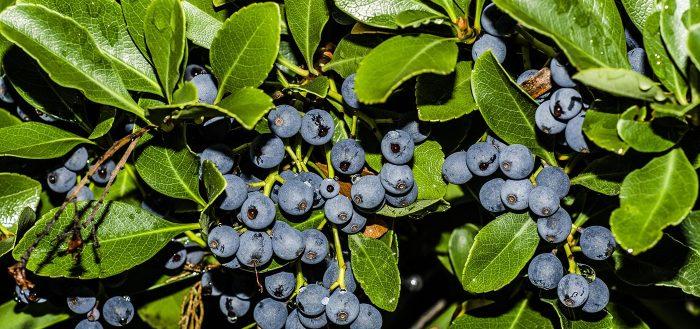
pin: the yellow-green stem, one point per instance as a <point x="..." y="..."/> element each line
<point x="331" y="171"/>
<point x="300" y="280"/>
<point x="269" y="182"/>
<point x="286" y="63"/>
<point x="316" y="168"/>
<point x="570" y="258"/>
<point x="196" y="239"/>
<point x="294" y="157"/>
<point x="353" y="128"/>
<point x="339" y="257"/>
<point x="336" y="96"/>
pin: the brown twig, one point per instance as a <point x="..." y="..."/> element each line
<point x="539" y="83"/>
<point x="192" y="308"/>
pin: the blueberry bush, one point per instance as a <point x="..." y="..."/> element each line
<point x="349" y="163"/>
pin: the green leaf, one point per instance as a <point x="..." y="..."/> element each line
<point x="350" y="52"/>
<point x="660" y="194"/>
<point x="377" y="271"/>
<point x="34" y="140"/>
<point x="214" y="185"/>
<point x="380" y="13"/>
<point x="17" y="192"/>
<point x="427" y="170"/>
<point x="125" y="187"/>
<point x="589" y="32"/>
<point x="164" y="312"/>
<point x="450" y="6"/>
<point x="693" y="44"/>
<point x="169" y="167"/>
<point x="245" y="48"/>
<point x="674" y="30"/>
<point x="507" y="109"/>
<point x="461" y="241"/>
<point x="8" y="119"/>
<point x="133" y="11"/>
<point x="568" y="321"/>
<point x="306" y="19"/>
<point x="318" y="86"/>
<point x="399" y="59"/>
<point x="520" y="315"/>
<point x="416" y="210"/>
<point x="247" y="106"/>
<point x="128" y="236"/>
<point x="34" y="316"/>
<point x="103" y="21"/>
<point x="445" y="97"/>
<point x="603" y="175"/>
<point x="659" y="60"/>
<point x="202" y="21"/>
<point x="621" y="82"/>
<point x="600" y="127"/>
<point x="164" y="29"/>
<point x="104" y="123"/>
<point x="656" y="135"/>
<point x="416" y="18"/>
<point x="68" y="54"/>
<point x="639" y="12"/>
<point x="623" y="318"/>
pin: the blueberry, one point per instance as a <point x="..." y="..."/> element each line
<point x="235" y="193"/>
<point x="598" y="296"/>
<point x="82" y="302"/>
<point x="313" y="322"/>
<point x="338" y="210"/>
<point x="368" y="318"/>
<point x="329" y="188"/>
<point x="637" y="58"/>
<point x="397" y="147"/>
<point x="367" y="192"/>
<point x="118" y="311"/>
<point x="418" y="131"/>
<point x="317" y="127"/>
<point x="195" y="254"/>
<point x="543" y="201"/>
<point x="347" y="157"/>
<point x="454" y="169"/>
<point x="46" y="117"/>
<point x="61" y="180"/>
<point x="482" y="159"/>
<point x="574" y="133"/>
<point x="514" y="193"/>
<point x="348" y="92"/>
<point x="194" y="70"/>
<point x="255" y="249"/>
<point x="209" y="287"/>
<point x="630" y="40"/>
<point x="310" y="300"/>
<point x="560" y="74"/>
<point x="315" y="181"/>
<point x="495" y="22"/>
<point x="22" y="115"/>
<point x="102" y="174"/>
<point x="233" y="307"/>
<point x="280" y="285"/>
<point x="597" y="242"/>
<point x="546" y="122"/>
<point x="223" y="241"/>
<point x="218" y="154"/>
<point x="267" y="151"/>
<point x="516" y="161"/>
<point x="488" y="42"/>
<point x="177" y="256"/>
<point x="331" y="275"/>
<point x="403" y="200"/>
<point x="206" y="88"/>
<point x="287" y="242"/>
<point x="293" y="321"/>
<point x="396" y="179"/>
<point x="232" y="263"/>
<point x="285" y="121"/>
<point x="315" y="247"/>
<point x="556" y="179"/>
<point x="495" y="142"/>
<point x="22" y="295"/>
<point x="270" y="314"/>
<point x="343" y="307"/>
<point x="87" y="324"/>
<point x="555" y="228"/>
<point x="5" y="95"/>
<point x="258" y="211"/>
<point x="525" y="76"/>
<point x="490" y="195"/>
<point x="545" y="271"/>
<point x="565" y="103"/>
<point x="296" y="197"/>
<point x="572" y="290"/>
<point x="77" y="160"/>
<point x="85" y="194"/>
<point x="356" y="224"/>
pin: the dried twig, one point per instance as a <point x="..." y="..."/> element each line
<point x="192" y="308"/>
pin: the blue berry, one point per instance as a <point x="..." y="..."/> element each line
<point x="194" y="70"/>
<point x="630" y="40"/>
<point x="280" y="285"/>
<point x="545" y="271"/>
<point x="258" y="211"/>
<point x="235" y="193"/>
<point x="61" y="180"/>
<point x="209" y="287"/>
<point x="293" y="321"/>
<point x="22" y="115"/>
<point x="296" y="197"/>
<point x="495" y="22"/>
<point x="87" y="324"/>
<point x="218" y="154"/>
<point x="454" y="169"/>
<point x="556" y="179"/>
<point x="397" y="147"/>
<point x="368" y="318"/>
<point x="338" y="210"/>
<point x="495" y="142"/>
<point x="118" y="311"/>
<point x="396" y="179"/>
<point x="514" y="193"/>
<point x="574" y="133"/>
<point x="270" y="314"/>
<point x="82" y="302"/>
<point x="315" y="247"/>
<point x="314" y="181"/>
<point x="77" y="160"/>
<point x="516" y="161"/>
<point x="560" y="74"/>
<point x="223" y="241"/>
<point x="418" y="131"/>
<point x="287" y="242"/>
<point x="331" y="275"/>
<point x="488" y="42"/>
<point x="206" y="88"/>
<point x="637" y="58"/>
<point x="572" y="290"/>
<point x="329" y="188"/>
<point x="285" y="121"/>
<point x="46" y="117"/>
<point x="403" y="200"/>
<point x="565" y="103"/>
<point x="343" y="307"/>
<point x="233" y="307"/>
<point x="555" y="228"/>
<point x="367" y="192"/>
<point x="348" y="157"/>
<point x="233" y="264"/>
<point x="5" y="95"/>
<point x="543" y="201"/>
<point x="490" y="195"/>
<point x="85" y="194"/>
<point x="101" y="176"/>
<point x="310" y="300"/>
<point x="546" y="122"/>
<point x="347" y="89"/>
<point x="597" y="242"/>
<point x="356" y="224"/>
<point x="313" y="322"/>
<point x="525" y="76"/>
<point x="267" y="151"/>
<point x="177" y="256"/>
<point x="598" y="296"/>
<point x="255" y="249"/>
<point x="482" y="159"/>
<point x="317" y="127"/>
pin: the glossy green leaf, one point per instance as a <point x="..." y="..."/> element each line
<point x="128" y="236"/>
<point x="656" y="135"/>
<point x="461" y="241"/>
<point x="659" y="59"/>
<point x="245" y="48"/>
<point x="34" y="316"/>
<point x="377" y="271"/>
<point x="125" y="187"/>
<point x="69" y="55"/>
<point x="380" y="13"/>
<point x="202" y="21"/>
<point x="416" y="210"/>
<point x="601" y="128"/>
<point x="318" y="86"/>
<point x="104" y="123"/>
<point x="8" y="119"/>
<point x="450" y="6"/>
<point x="400" y="58"/>
<point x="164" y="30"/>
<point x="568" y="321"/>
<point x="416" y="18"/>
<point x="621" y="82"/>
<point x="164" y="312"/>
<point x="214" y="185"/>
<point x="500" y="250"/>
<point x="17" y="192"/>
<point x="603" y="175"/>
<point x="427" y="170"/>
<point x="306" y="19"/>
<point x="589" y="32"/>
<point x="507" y="109"/>
<point x="445" y="97"/>
<point x="660" y="194"/>
<point x="520" y="315"/>
<point x="34" y="140"/>
<point x="693" y="44"/>
<point x="247" y="106"/>
<point x="675" y="31"/>
<point x="639" y="12"/>
<point x="133" y="12"/>
<point x="350" y="52"/>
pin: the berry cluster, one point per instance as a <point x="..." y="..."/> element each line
<point x="64" y="179"/>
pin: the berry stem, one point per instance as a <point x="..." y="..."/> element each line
<point x="331" y="170"/>
<point x="339" y="257"/>
<point x="316" y="168"/>
<point x="286" y="63"/>
<point x="321" y="224"/>
<point x="296" y="160"/>
<point x="300" y="280"/>
<point x="335" y="95"/>
<point x="257" y="184"/>
<point x="570" y="257"/>
<point x="196" y="239"/>
<point x="269" y="182"/>
<point x="308" y="154"/>
<point x="353" y="128"/>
